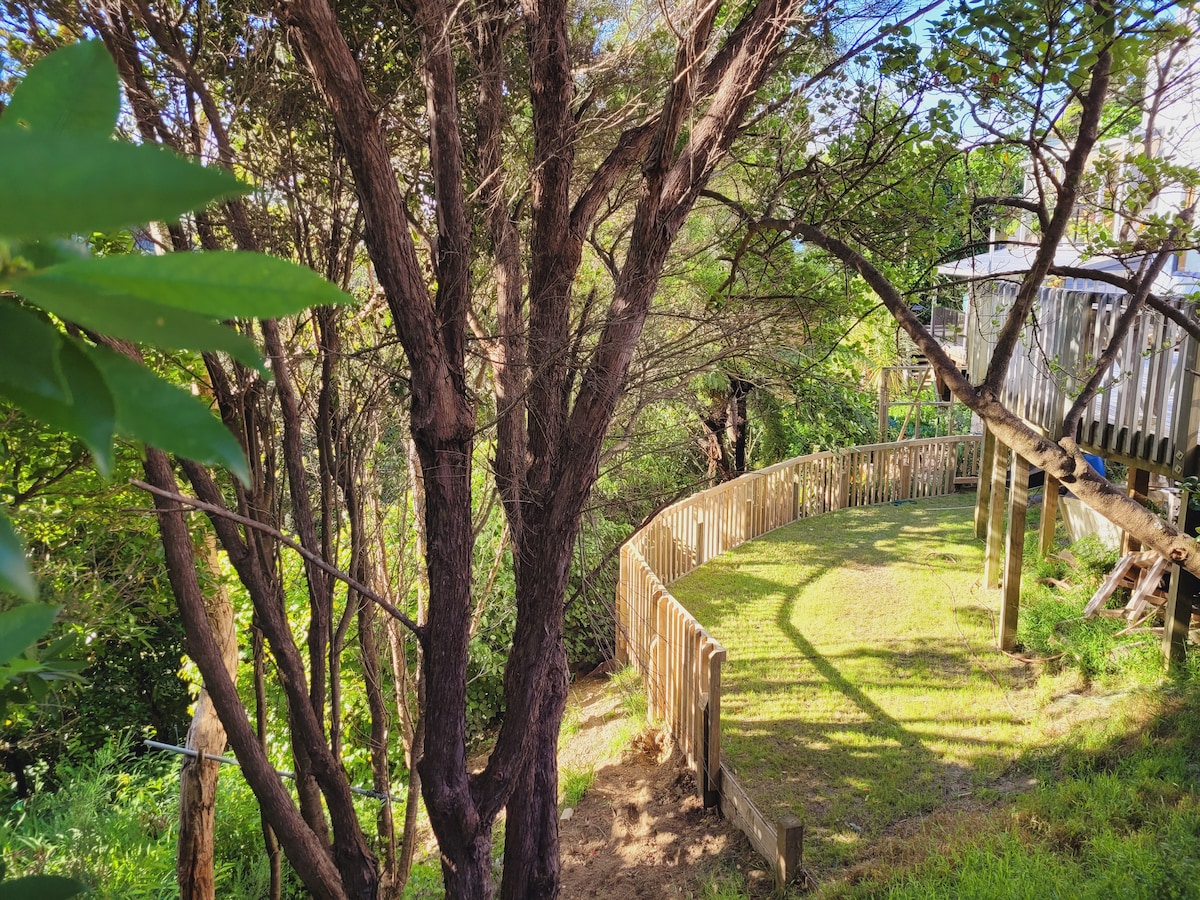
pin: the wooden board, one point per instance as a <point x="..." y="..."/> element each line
<point x="1110" y="584"/>
<point x="1146" y="588"/>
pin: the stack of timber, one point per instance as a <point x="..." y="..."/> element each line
<point x="1143" y="573"/>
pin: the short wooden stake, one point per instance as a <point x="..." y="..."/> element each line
<point x="1049" y="515"/>
<point x="789" y="847"/>
<point x="1018" y="505"/>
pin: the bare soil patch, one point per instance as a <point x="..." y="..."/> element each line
<point x="640" y="831"/>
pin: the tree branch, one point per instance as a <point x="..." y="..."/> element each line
<point x="1016" y="203"/>
<point x="1073" y="169"/>
<point x="313" y="558"/>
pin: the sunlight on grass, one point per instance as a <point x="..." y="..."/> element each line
<point x="862" y="684"/>
<point x="864" y="694"/>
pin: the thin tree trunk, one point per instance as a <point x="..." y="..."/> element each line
<point x="194" y="864"/>
<point x="270" y="844"/>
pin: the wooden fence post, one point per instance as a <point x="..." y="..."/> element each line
<point x="623" y="617"/>
<point x="712" y="730"/>
<point x="906" y="475"/>
<point x="701" y="558"/>
<point x="843" y="469"/>
<point x="789" y="848"/>
<point x="659" y="687"/>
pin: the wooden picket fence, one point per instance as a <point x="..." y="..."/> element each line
<point x="681" y="662"/>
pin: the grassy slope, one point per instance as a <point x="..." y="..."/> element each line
<point x="856" y="691"/>
<point x="864" y="694"/>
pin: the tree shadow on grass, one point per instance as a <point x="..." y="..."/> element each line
<point x="865" y="729"/>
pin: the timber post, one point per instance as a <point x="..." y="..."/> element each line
<point x="789" y="847"/>
<point x="1181" y="599"/>
<point x="1018" y="505"/>
<point x="1049" y="515"/>
<point x="995" y="518"/>
<point x="1137" y="486"/>
<point x="885" y="401"/>
<point x="983" y="493"/>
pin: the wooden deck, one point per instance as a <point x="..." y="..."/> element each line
<point x="1147" y="415"/>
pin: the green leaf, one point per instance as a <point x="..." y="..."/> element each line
<point x="15" y="577"/>
<point x="75" y="89"/>
<point x="38" y="688"/>
<point x="132" y="318"/>
<point x="21" y="627"/>
<point x="29" y="351"/>
<point x="157" y="413"/>
<point x="55" y="184"/>
<point x="41" y="887"/>
<point x="223" y="285"/>
<point x="89" y="415"/>
<point x="45" y="253"/>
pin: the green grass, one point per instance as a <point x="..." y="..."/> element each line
<point x="864" y="693"/>
<point x="574" y="783"/>
<point x="861" y="685"/>
<point x="1108" y="818"/>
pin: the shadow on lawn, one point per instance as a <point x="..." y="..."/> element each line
<point x="887" y="725"/>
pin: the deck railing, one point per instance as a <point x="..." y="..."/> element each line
<point x="1148" y="412"/>
<point x="680" y="661"/>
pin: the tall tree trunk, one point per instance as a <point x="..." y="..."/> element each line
<point x="739" y="422"/>
<point x="531" y="849"/>
<point x="194" y="863"/>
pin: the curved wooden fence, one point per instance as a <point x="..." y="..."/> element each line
<point x="680" y="661"/>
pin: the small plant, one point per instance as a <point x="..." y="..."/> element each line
<point x="633" y="692"/>
<point x="574" y="784"/>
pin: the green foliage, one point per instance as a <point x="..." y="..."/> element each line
<point x="110" y="824"/>
<point x="15" y="577"/>
<point x="41" y="887"/>
<point x="62" y="175"/>
<point x="1051" y="624"/>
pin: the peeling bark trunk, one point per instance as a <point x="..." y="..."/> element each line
<point x="198" y="776"/>
<point x="739" y="422"/>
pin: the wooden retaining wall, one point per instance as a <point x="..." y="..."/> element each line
<point x="681" y="662"/>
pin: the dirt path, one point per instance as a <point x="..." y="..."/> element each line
<point x="640" y="831"/>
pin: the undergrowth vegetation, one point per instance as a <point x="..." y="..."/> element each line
<point x="113" y="822"/>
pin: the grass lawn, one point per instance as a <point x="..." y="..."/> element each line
<point x="864" y="693"/>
